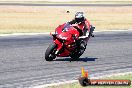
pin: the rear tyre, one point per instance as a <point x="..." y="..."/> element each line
<point x="78" y="52"/>
<point x="75" y="56"/>
<point x="50" y="52"/>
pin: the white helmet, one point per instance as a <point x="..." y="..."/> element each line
<point x="79" y="17"/>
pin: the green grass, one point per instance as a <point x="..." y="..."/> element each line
<point x="77" y="85"/>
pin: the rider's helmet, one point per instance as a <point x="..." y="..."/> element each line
<point x="79" y="17"/>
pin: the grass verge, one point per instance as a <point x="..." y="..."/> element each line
<point x="35" y="19"/>
<point x="77" y="85"/>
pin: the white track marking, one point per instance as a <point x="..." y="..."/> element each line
<point x="48" y="33"/>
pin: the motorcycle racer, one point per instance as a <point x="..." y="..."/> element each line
<point x="70" y="39"/>
<point x="83" y="24"/>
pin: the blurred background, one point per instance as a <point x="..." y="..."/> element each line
<point x="39" y="16"/>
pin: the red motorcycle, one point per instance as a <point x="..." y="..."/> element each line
<point x="67" y="42"/>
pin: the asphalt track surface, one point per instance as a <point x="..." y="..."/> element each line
<point x="23" y="4"/>
<point x="22" y="62"/>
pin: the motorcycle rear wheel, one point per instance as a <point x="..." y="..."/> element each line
<point x="75" y="56"/>
<point x="49" y="54"/>
<point x="78" y="52"/>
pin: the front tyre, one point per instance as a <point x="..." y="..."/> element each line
<point x="50" y="52"/>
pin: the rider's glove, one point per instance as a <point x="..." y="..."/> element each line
<point x="91" y="30"/>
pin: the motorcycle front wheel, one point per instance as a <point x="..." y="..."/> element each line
<point x="50" y="52"/>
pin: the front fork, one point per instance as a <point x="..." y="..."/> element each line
<point x="58" y="49"/>
<point x="58" y="42"/>
<point x="59" y="46"/>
